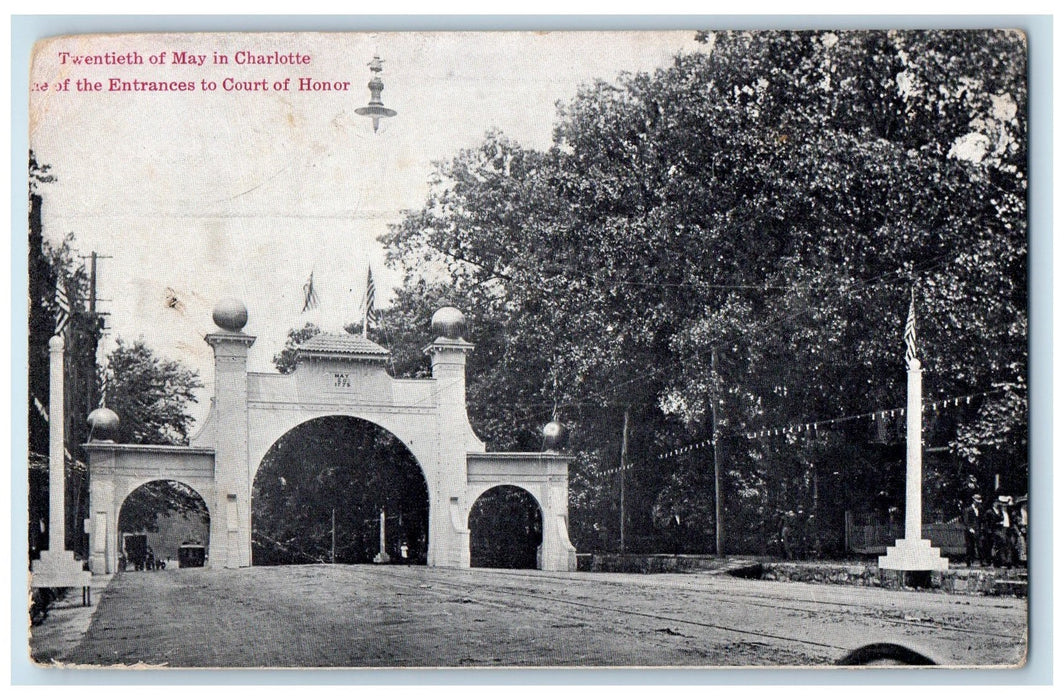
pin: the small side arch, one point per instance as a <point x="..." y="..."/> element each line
<point x="505" y="522"/>
<point x="164" y="515"/>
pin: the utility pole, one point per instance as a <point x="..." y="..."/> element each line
<point x="92" y="285"/>
<point x="92" y="279"/>
<point x="90" y="392"/>
<point x="84" y="359"/>
<point x="624" y="465"/>
<point x="716" y="455"/>
<point x="332" y="554"/>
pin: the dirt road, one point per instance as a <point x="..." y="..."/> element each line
<point x="364" y="616"/>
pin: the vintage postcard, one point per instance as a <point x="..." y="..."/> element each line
<point x="528" y="349"/>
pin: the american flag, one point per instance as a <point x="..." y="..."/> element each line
<point x="910" y="331"/>
<point x="62" y="303"/>
<point x="371" y="302"/>
<point x="310" y="297"/>
<point x="40" y="408"/>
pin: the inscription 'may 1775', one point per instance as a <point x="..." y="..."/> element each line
<point x="341" y="380"/>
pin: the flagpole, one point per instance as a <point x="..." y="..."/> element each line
<point x="913" y="553"/>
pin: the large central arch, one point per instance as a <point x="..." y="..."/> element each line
<point x="342" y="374"/>
<point x="317" y="493"/>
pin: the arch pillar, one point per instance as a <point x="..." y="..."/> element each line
<point x="231" y="529"/>
<point x="556" y="553"/>
<point x="448" y="528"/>
<point x="102" y="523"/>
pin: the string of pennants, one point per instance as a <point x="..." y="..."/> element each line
<point x="807" y="428"/>
<point x="800" y="428"/>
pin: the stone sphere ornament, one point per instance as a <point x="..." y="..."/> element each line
<point x="230" y="314"/>
<point x="449" y="322"/>
<point x="555" y="436"/>
<point x="104" y="424"/>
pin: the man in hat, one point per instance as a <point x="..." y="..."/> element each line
<point x="998" y="525"/>
<point x="1019" y="526"/>
<point x="972" y="518"/>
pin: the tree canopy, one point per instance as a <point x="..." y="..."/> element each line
<point x="285" y="360"/>
<point x="150" y="394"/>
<point x="142" y="508"/>
<point x="779" y="198"/>
<point x="56" y="265"/>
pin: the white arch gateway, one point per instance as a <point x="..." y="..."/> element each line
<point x="341" y="375"/>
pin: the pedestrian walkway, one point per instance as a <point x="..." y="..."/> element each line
<point x="66" y="624"/>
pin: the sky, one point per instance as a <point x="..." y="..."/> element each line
<point x="207" y="194"/>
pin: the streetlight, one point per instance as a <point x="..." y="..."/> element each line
<point x="375" y="110"/>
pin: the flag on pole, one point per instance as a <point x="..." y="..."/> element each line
<point x="370" y="310"/>
<point x="103" y="388"/>
<point x="62" y="304"/>
<point x="40" y="408"/>
<point x="310" y="297"/>
<point x="910" y="331"/>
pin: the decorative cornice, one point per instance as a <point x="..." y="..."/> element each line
<point x="215" y="339"/>
<point x="442" y="344"/>
<point x="149" y="449"/>
<point x="320" y="355"/>
<point x="553" y="456"/>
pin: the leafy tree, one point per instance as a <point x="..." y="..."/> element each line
<point x="776" y="199"/>
<point x="55" y="266"/>
<point x="150" y="394"/>
<point x="285" y="360"/>
<point x="141" y="510"/>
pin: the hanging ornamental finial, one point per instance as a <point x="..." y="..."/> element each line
<point x="375" y="110"/>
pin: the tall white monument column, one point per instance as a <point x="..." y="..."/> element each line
<point x="57" y="567"/>
<point x="912" y="553"/>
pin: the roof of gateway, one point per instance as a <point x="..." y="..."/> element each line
<point x="342" y="345"/>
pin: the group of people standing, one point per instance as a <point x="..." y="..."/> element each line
<point x="996" y="535"/>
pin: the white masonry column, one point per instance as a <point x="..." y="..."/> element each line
<point x="556" y="552"/>
<point x="448" y="529"/>
<point x="56" y="446"/>
<point x="914" y="463"/>
<point x="448" y="510"/>
<point x="57" y="567"/>
<point x="912" y="553"/>
<point x="230" y="538"/>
